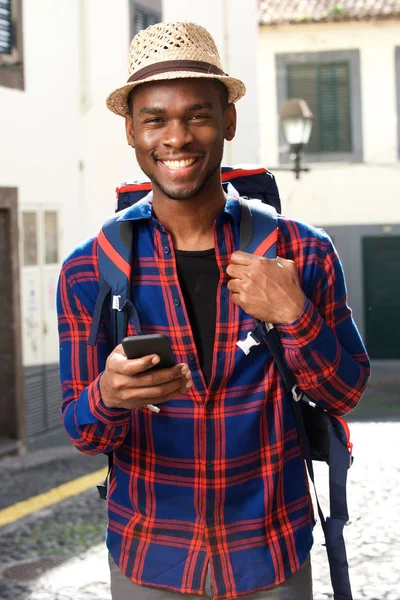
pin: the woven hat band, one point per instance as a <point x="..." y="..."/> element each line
<point x="167" y="66"/>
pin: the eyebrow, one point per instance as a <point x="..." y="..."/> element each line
<point x="199" y="106"/>
<point x="151" y="110"/>
<point x="158" y="110"/>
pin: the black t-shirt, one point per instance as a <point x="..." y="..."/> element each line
<point x="198" y="274"/>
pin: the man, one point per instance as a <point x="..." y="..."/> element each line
<point x="210" y="494"/>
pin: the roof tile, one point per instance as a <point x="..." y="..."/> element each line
<point x="272" y="12"/>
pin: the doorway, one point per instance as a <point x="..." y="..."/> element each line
<point x="382" y="293"/>
<point x="12" y="410"/>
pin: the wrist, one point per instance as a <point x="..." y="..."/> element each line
<point x="104" y="396"/>
<point x="296" y="310"/>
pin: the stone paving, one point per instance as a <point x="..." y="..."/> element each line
<point x="373" y="536"/>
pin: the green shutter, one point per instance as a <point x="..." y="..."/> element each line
<point x="382" y="296"/>
<point x="5" y="27"/>
<point x="144" y="18"/>
<point x="326" y="89"/>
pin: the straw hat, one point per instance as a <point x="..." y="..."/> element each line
<point x="172" y="51"/>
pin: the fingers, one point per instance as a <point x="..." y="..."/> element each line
<point x="155" y="393"/>
<point x="119" y="363"/>
<point x="132" y="383"/>
<point x="160" y="376"/>
<point x="243" y="258"/>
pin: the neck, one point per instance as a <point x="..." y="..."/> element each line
<point x="190" y="222"/>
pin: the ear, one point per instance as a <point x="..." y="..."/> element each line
<point x="129" y="131"/>
<point x="230" y="122"/>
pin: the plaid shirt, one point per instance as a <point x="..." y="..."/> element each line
<point x="217" y="476"/>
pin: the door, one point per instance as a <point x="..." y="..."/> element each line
<point x="381" y="257"/>
<point x="39" y="248"/>
<point x="11" y="405"/>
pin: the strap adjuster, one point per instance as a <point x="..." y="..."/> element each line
<point x="116" y="303"/>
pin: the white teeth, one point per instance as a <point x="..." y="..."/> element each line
<point x="179" y="164"/>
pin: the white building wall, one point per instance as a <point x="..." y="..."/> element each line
<point x="339" y="193"/>
<point x="65" y="151"/>
<point x="234" y="28"/>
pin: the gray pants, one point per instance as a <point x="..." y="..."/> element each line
<point x="297" y="587"/>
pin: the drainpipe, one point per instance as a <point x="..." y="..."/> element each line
<point x="225" y="15"/>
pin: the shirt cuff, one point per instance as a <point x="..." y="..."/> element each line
<point x="91" y="408"/>
<point x="303" y="331"/>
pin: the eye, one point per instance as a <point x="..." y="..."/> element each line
<point x="198" y="117"/>
<point x="153" y="120"/>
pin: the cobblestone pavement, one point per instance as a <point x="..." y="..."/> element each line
<point x="46" y="541"/>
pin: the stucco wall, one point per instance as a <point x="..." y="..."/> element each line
<point x="235" y="32"/>
<point x="339" y="193"/>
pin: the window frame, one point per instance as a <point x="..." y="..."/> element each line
<point x="352" y="57"/>
<point x="11" y="65"/>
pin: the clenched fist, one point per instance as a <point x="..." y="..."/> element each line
<point x="267" y="289"/>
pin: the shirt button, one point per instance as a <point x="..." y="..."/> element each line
<point x="191" y="356"/>
<point x="282" y="334"/>
<point x="166" y="249"/>
<point x="209" y="406"/>
<point x="177" y="302"/>
<point x="210" y="520"/>
<point x="209" y="467"/>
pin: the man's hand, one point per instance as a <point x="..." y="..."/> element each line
<point x="130" y="384"/>
<point x="267" y="289"/>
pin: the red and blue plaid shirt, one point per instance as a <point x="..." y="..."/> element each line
<point x="217" y="476"/>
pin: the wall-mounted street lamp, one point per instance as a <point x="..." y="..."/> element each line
<point x="295" y="118"/>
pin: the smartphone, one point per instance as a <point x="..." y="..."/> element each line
<point x="137" y="346"/>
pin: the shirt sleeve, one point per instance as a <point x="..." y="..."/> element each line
<point x="323" y="347"/>
<point x="92" y="427"/>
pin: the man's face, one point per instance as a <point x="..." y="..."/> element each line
<point x="178" y="128"/>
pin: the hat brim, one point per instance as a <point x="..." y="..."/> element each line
<point x="117" y="101"/>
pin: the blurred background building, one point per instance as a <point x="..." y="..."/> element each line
<point x="62" y="154"/>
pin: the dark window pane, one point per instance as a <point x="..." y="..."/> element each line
<point x="144" y="18"/>
<point x="5" y="27"/>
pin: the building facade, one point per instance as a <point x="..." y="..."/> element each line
<point x="343" y="59"/>
<point x="62" y="154"/>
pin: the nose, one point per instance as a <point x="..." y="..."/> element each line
<point x="177" y="134"/>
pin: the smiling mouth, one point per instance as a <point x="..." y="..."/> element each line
<point x="177" y="165"/>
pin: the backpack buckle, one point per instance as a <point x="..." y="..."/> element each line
<point x="247" y="344"/>
<point x="297" y="395"/>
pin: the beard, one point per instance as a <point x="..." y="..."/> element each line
<point x="188" y="193"/>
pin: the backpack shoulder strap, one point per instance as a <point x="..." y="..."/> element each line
<point x="258" y="228"/>
<point x="114" y="259"/>
<point x="259" y="235"/>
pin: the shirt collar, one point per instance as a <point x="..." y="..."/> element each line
<point x="143" y="210"/>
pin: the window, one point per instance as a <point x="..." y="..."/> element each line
<point x="144" y="16"/>
<point x="5" y="27"/>
<point x="11" y="67"/>
<point x="330" y="84"/>
<point x="29" y="238"/>
<point x="326" y="90"/>
<point x="51" y="237"/>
